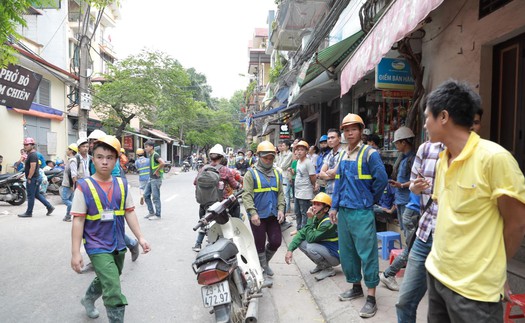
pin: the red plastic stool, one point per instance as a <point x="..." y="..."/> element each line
<point x="519" y="300"/>
<point x="393" y="254"/>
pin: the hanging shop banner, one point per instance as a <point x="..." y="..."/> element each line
<point x="394" y="74"/>
<point x="393" y="94"/>
<point x="284" y="132"/>
<point x="297" y="125"/>
<point x="128" y="142"/>
<point x="18" y="86"/>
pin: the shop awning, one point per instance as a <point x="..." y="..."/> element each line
<point x="400" y="19"/>
<point x="332" y="56"/>
<point x="159" y="134"/>
<point x="139" y="135"/>
<point x="41" y="111"/>
<point x="267" y="112"/>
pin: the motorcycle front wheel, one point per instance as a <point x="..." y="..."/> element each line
<point x="21" y="195"/>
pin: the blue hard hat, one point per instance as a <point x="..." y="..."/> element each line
<point x="59" y="161"/>
<point x="323" y="138"/>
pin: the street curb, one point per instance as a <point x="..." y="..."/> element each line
<point x="325" y="293"/>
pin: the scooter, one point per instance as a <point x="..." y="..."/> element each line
<point x="228" y="268"/>
<point x="167" y="167"/>
<point x="12" y="188"/>
<point x="186" y="166"/>
<point x="54" y="178"/>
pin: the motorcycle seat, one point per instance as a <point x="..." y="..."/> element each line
<point x="4" y="176"/>
<point x="53" y="172"/>
<point x="222" y="249"/>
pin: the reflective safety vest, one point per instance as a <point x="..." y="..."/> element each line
<point x="364" y="151"/>
<point x="104" y="236"/>
<point x="326" y="218"/>
<point x="143" y="166"/>
<point x="265" y="193"/>
<point x="332" y="244"/>
<point x="154" y="165"/>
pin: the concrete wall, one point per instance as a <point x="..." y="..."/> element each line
<point x="458" y="45"/>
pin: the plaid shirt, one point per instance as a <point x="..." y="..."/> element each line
<point x="426" y="158"/>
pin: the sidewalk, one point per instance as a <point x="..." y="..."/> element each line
<point x="326" y="292"/>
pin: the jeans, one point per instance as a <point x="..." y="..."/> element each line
<point x="318" y="253"/>
<point x="130" y="242"/>
<point x="66" y="193"/>
<point x="400" y="210"/>
<point x="33" y="191"/>
<point x="414" y="285"/>
<point x="288" y="194"/>
<point x="142" y="186"/>
<point x="301" y="206"/>
<point x="409" y="219"/>
<point x="152" y="191"/>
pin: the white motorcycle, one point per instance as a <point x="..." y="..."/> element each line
<point x="228" y="268"/>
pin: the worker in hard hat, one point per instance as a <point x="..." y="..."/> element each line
<point x="142" y="166"/>
<point x="68" y="187"/>
<point x="359" y="183"/>
<point x="263" y="200"/>
<point x="101" y="207"/>
<point x="318" y="238"/>
<point x="404" y="142"/>
<point x="123" y="160"/>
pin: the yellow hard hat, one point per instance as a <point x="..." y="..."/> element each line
<point x="352" y="119"/>
<point x="122" y="150"/>
<point x="73" y="147"/>
<point x="303" y="144"/>
<point x="112" y="141"/>
<point x="323" y="198"/>
<point x="266" y="147"/>
<point x="140" y="151"/>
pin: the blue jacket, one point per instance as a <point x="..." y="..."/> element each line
<point x="356" y="189"/>
<point x="265" y="193"/>
<point x="142" y="165"/>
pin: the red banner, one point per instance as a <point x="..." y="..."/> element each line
<point x="128" y="143"/>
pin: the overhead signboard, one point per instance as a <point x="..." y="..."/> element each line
<point x="394" y="74"/>
<point x="18" y="86"/>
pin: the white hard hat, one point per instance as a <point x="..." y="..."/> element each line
<point x="81" y="141"/>
<point x="403" y="133"/>
<point x="96" y="134"/>
<point x="367" y="132"/>
<point x="217" y="149"/>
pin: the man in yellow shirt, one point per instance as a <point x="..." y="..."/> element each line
<point x="480" y="191"/>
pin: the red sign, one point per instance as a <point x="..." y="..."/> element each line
<point x="392" y="94"/>
<point x="128" y="143"/>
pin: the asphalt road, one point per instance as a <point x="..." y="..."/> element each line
<point x="37" y="283"/>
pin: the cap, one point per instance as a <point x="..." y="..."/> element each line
<point x="323" y="138"/>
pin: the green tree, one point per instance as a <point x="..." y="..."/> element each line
<point x="150" y="86"/>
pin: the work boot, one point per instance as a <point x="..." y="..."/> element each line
<point x="116" y="314"/>
<point x="355" y="292"/>
<point x="389" y="282"/>
<point x="269" y="256"/>
<point x="88" y="301"/>
<point x="325" y="273"/>
<point x="268" y="281"/>
<point x="135" y="251"/>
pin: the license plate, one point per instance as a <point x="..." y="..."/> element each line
<point x="216" y="294"/>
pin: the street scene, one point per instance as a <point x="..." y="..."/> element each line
<point x="262" y="161"/>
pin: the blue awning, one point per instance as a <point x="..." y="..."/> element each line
<point x="267" y="112"/>
<point x="42" y="111"/>
<point x="282" y="94"/>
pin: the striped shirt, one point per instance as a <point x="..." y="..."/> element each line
<point x="426" y="158"/>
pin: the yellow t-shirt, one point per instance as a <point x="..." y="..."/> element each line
<point x="468" y="253"/>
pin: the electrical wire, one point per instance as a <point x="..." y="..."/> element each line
<point x="50" y="39"/>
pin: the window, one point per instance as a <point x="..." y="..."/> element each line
<point x="43" y="94"/>
<point x="487" y="7"/>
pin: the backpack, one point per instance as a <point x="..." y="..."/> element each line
<point x="208" y="189"/>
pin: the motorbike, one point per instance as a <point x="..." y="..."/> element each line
<point x="200" y="164"/>
<point x="186" y="166"/>
<point x="130" y="167"/>
<point x="54" y="178"/>
<point x="167" y="167"/>
<point x="228" y="267"/>
<point x="12" y="188"/>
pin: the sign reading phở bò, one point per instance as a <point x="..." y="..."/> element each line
<point x="18" y="86"/>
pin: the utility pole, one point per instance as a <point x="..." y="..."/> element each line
<point x="84" y="85"/>
<point x="180" y="146"/>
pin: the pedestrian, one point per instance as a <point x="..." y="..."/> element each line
<point x="313" y="154"/>
<point x="250" y="158"/>
<point x="68" y="186"/>
<point x="123" y="160"/>
<point x="305" y="184"/>
<point x="323" y="151"/>
<point x="404" y="142"/>
<point x="374" y="141"/>
<point x="231" y="184"/>
<point x="156" y="173"/>
<point x="80" y="165"/>
<point x="414" y="284"/>
<point x="480" y="191"/>
<point x="283" y="163"/>
<point x="142" y="166"/>
<point x="241" y="164"/>
<point x="101" y="207"/>
<point x="331" y="160"/>
<point x="360" y="181"/>
<point x="385" y="209"/>
<point x="33" y="179"/>
<point x="263" y="200"/>
<point x="318" y="239"/>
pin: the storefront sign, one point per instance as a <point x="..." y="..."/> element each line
<point x="297" y="125"/>
<point x="284" y="132"/>
<point x="394" y="74"/>
<point x="18" y="86"/>
<point x="392" y="94"/>
<point x="128" y="142"/>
